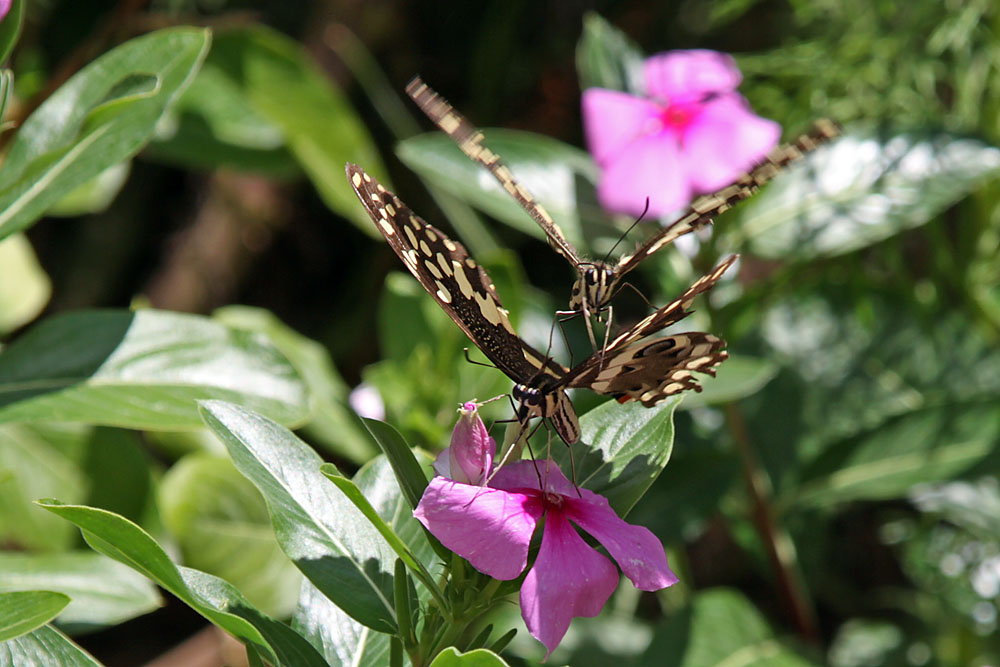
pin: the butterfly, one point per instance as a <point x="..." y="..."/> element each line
<point x="597" y="282"/>
<point x="629" y="368"/>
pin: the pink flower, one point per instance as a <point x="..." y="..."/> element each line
<point x="691" y="134"/>
<point x="5" y="7"/>
<point x="470" y="456"/>
<point x="492" y="527"/>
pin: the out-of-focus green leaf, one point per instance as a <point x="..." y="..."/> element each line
<point x="221" y="523"/>
<point x="142" y="369"/>
<point x="93" y="196"/>
<point x="326" y="537"/>
<point x="560" y="177"/>
<point x="924" y="446"/>
<point x="24" y="286"/>
<point x="624" y="449"/>
<point x="213" y="598"/>
<point x="100" y="117"/>
<point x="10" y="28"/>
<point x="45" y="646"/>
<point x="738" y="376"/>
<point x="867" y="642"/>
<point x="607" y="58"/>
<point x="214" y="125"/>
<point x="102" y="591"/>
<point x="332" y="422"/>
<point x="861" y="189"/>
<point x="451" y="657"/>
<point x="34" y="469"/>
<point x="720" y="628"/>
<point x="320" y="127"/>
<point x="23" y="611"/>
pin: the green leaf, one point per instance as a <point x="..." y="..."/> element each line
<point x="452" y="657"/>
<point x="332" y="423"/>
<point x="739" y="376"/>
<point x="102" y="591"/>
<point x="720" y="628"/>
<point x="45" y="646"/>
<point x="142" y="369"/>
<point x="24" y="611"/>
<point x="10" y="28"/>
<point x="213" y="125"/>
<point x="320" y="127"/>
<point x="561" y="177"/>
<point x="102" y="116"/>
<point x="93" y="196"/>
<point x="326" y="537"/>
<point x="410" y="475"/>
<point x="607" y="58"/>
<point x="626" y="448"/>
<point x="924" y="446"/>
<point x="213" y="598"/>
<point x="221" y="524"/>
<point x="25" y="288"/>
<point x="861" y="189"/>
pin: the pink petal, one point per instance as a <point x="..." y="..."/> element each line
<point x="724" y="140"/>
<point x="637" y="550"/>
<point x="690" y="75"/>
<point x="522" y="476"/>
<point x="568" y="579"/>
<point x="490" y="528"/>
<point x="470" y="456"/>
<point x="649" y="167"/>
<point x="612" y="120"/>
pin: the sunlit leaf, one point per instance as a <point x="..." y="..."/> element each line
<point x="24" y="611"/>
<point x="24" y="286"/>
<point x="45" y="646"/>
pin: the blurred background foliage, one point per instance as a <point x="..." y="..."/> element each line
<point x="831" y="498"/>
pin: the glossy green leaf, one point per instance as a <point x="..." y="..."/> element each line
<point x="452" y="657"/>
<point x="25" y="288"/>
<point x="35" y="468"/>
<point x="411" y="477"/>
<point x="214" y="125"/>
<point x="720" y="628"/>
<point x="321" y="129"/>
<point x="326" y="537"/>
<point x="100" y="117"/>
<point x="213" y="598"/>
<point x="93" y="196"/>
<point x="739" y="376"/>
<point x="332" y="422"/>
<point x="622" y="450"/>
<point x="861" y="189"/>
<point x="221" y="524"/>
<point x="607" y="58"/>
<point x="45" y="646"/>
<point x="24" y="611"/>
<point x="102" y="592"/>
<point x="143" y="369"/>
<point x="561" y="177"/>
<point x="10" y="28"/>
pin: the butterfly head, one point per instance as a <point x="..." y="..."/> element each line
<point x="593" y="287"/>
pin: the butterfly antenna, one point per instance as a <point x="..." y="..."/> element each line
<point x="621" y="238"/>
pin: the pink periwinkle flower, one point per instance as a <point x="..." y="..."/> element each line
<point x="470" y="457"/>
<point x="4" y="8"/>
<point x="692" y="133"/>
<point x="492" y="526"/>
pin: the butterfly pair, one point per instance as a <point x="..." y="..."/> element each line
<point x="627" y="367"/>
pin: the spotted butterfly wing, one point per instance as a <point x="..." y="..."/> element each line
<point x="597" y="282"/>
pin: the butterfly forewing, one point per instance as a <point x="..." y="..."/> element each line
<point x="470" y="140"/>
<point x="459" y="285"/>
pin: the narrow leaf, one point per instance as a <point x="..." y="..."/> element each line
<point x="24" y="611"/>
<point x="412" y="478"/>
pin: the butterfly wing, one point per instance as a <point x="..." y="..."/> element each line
<point x="459" y="285"/>
<point x="470" y="140"/>
<point x="705" y="208"/>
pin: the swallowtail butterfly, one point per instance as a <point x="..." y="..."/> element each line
<point x="597" y="282"/>
<point x="628" y="368"/>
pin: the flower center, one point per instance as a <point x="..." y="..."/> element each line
<point x="552" y="500"/>
<point x="678" y="115"/>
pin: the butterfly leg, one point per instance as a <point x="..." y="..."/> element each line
<point x="476" y="363"/>
<point x="561" y="317"/>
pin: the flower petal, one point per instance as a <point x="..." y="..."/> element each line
<point x="650" y="167"/>
<point x="568" y="579"/>
<point x="612" y="120"/>
<point x="470" y="456"/>
<point x="690" y="75"/>
<point x="489" y="528"/>
<point x="724" y="140"/>
<point x="637" y="550"/>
